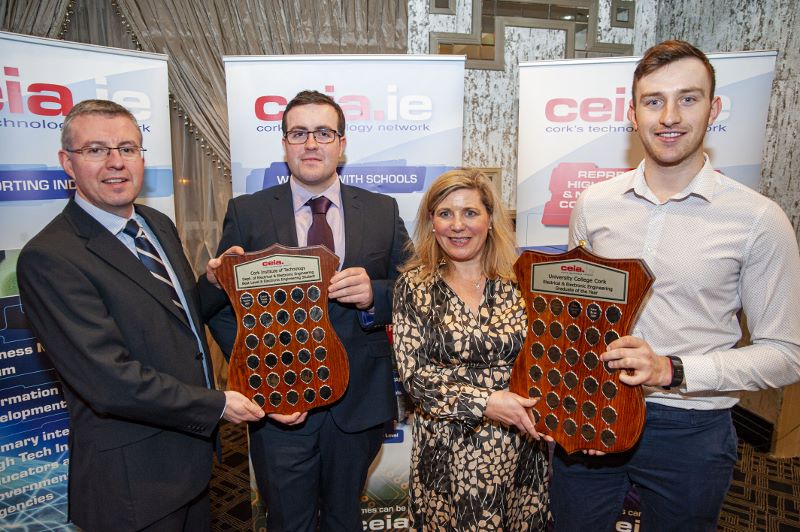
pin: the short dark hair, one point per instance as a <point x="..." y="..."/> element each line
<point x="105" y="108"/>
<point x="314" y="97"/>
<point x="665" y="53"/>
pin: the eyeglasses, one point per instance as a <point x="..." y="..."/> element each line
<point x="322" y="135"/>
<point x="101" y="153"/>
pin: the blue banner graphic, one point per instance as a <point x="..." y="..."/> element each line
<point x="34" y="428"/>
<point x="388" y="179"/>
<point x="50" y="183"/>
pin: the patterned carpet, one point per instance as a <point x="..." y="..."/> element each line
<point x="764" y="496"/>
<point x="230" y="482"/>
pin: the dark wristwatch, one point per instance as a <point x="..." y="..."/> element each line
<point x="677" y="372"/>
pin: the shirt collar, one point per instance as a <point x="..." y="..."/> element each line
<point x="701" y="185"/>
<point x="300" y="195"/>
<point x="110" y="221"/>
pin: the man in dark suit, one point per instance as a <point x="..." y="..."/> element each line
<point x="311" y="468"/>
<point x="126" y="339"/>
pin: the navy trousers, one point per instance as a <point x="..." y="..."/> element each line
<point x="313" y="481"/>
<point x="682" y="468"/>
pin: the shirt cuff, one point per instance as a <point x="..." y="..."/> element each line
<point x="699" y="374"/>
<point x="367" y="318"/>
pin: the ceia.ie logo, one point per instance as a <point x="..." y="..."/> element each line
<point x="356" y="107"/>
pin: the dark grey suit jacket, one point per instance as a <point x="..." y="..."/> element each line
<point x="375" y="239"/>
<point x="141" y="416"/>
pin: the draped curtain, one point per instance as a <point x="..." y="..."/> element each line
<point x="43" y="18"/>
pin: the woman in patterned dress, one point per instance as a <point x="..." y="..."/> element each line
<point x="459" y="322"/>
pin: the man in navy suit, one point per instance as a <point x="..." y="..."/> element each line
<point x="129" y="347"/>
<point x="311" y="468"/>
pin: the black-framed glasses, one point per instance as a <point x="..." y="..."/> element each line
<point x="101" y="153"/>
<point x="322" y="135"/>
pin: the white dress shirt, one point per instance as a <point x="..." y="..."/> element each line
<point x="715" y="248"/>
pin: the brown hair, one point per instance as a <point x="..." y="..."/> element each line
<point x="499" y="252"/>
<point x="665" y="53"/>
<point x="314" y="97"/>
<point x="105" y="108"/>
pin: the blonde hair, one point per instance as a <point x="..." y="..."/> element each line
<point x="499" y="252"/>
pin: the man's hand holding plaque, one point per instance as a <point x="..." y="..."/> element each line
<point x="286" y="357"/>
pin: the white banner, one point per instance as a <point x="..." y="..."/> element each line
<point x="404" y="118"/>
<point x="574" y="131"/>
<point x="41" y="81"/>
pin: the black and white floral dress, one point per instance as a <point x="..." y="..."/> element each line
<point x="467" y="472"/>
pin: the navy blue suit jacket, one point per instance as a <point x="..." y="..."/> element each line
<point x="375" y="239"/>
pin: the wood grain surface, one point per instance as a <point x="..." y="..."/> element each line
<point x="583" y="405"/>
<point x="278" y="358"/>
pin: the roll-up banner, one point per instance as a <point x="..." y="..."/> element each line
<point x="404" y="119"/>
<point x="574" y="131"/>
<point x="41" y="81"/>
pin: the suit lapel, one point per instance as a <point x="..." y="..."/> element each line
<point x="353" y="225"/>
<point x="282" y="211"/>
<point x="108" y="248"/>
<point x="173" y="249"/>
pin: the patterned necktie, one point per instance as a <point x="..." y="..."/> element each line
<point x="151" y="259"/>
<point x="320" y="232"/>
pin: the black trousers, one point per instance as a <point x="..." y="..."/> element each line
<point x="191" y="517"/>
<point x="313" y="479"/>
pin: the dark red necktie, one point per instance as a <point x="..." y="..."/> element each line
<point x="320" y="232"/>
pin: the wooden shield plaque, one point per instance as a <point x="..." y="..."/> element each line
<point x="286" y="357"/>
<point x="577" y="304"/>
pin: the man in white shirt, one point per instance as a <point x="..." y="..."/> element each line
<point x="717" y="249"/>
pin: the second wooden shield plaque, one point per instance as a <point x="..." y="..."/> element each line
<point x="577" y="304"/>
<point x="286" y="357"/>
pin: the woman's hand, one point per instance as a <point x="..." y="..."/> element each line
<point x="512" y="410"/>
